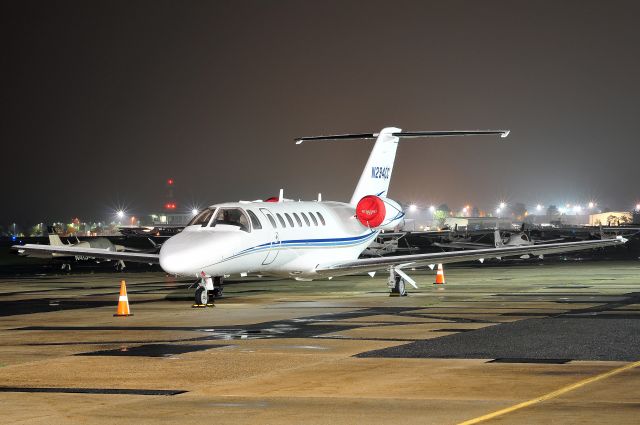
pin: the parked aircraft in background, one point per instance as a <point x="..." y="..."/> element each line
<point x="308" y="240"/>
<point x="68" y="257"/>
<point x="521" y="238"/>
<point x="387" y="244"/>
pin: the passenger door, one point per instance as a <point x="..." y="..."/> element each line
<point x="274" y="245"/>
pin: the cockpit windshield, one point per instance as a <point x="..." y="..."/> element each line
<point x="232" y="217"/>
<point x="202" y="219"/>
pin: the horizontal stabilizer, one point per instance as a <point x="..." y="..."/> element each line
<point x="405" y="134"/>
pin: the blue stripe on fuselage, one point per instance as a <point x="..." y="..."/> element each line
<point x="309" y="243"/>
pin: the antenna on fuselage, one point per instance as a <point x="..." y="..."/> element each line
<point x="319" y="197"/>
<point x="281" y="196"/>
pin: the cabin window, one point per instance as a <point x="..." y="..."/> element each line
<point x="281" y="220"/>
<point x="202" y="219"/>
<point x="297" y="217"/>
<point x="289" y="219"/>
<point x="313" y="218"/>
<point x="306" y="220"/>
<point x="254" y="220"/>
<point x="271" y="220"/>
<point x="321" y="219"/>
<point x="231" y="217"/>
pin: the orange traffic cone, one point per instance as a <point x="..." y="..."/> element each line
<point x="123" y="301"/>
<point x="439" y="276"/>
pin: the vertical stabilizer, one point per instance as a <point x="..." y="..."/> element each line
<point x="54" y="240"/>
<point x="376" y="175"/>
<point x="498" y="239"/>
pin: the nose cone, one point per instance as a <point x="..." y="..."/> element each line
<point x="189" y="252"/>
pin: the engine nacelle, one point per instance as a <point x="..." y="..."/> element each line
<point x="379" y="213"/>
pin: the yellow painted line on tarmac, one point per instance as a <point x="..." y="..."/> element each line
<point x="550" y="395"/>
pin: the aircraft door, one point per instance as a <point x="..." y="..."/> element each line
<point x="273" y="250"/>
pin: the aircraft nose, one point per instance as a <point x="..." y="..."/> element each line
<point x="188" y="252"/>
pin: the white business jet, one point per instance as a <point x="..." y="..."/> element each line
<point x="308" y="240"/>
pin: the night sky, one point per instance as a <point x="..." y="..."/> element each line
<point x="103" y="101"/>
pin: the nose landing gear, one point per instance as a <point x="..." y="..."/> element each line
<point x="208" y="289"/>
<point x="202" y="297"/>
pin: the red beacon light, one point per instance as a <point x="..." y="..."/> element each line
<point x="170" y="182"/>
<point x="170" y="206"/>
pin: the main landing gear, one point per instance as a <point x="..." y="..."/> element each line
<point x="208" y="289"/>
<point x="119" y="265"/>
<point x="396" y="285"/>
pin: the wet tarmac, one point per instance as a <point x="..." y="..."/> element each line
<point x="339" y="351"/>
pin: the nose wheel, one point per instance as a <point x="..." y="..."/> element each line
<point x="202" y="297"/>
<point x="208" y="289"/>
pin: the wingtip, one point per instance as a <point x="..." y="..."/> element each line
<point x="505" y="134"/>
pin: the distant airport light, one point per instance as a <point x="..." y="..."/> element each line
<point x="502" y="204"/>
<point x="577" y="208"/>
<point x="637" y="207"/>
<point x="498" y="210"/>
<point x="432" y="208"/>
<point x="538" y="207"/>
<point x="591" y="204"/>
<point x="120" y="214"/>
<point x="413" y="207"/>
<point x="194" y="211"/>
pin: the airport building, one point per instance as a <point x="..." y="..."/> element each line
<point x="612" y="218"/>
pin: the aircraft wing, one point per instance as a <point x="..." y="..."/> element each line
<point x="418" y="260"/>
<point x="545" y="241"/>
<point x="461" y="245"/>
<point x="137" y="257"/>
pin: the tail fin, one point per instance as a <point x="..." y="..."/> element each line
<point x="498" y="239"/>
<point x="376" y="175"/>
<point x="55" y="240"/>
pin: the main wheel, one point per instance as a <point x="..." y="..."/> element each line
<point x="400" y="288"/>
<point x="202" y="297"/>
